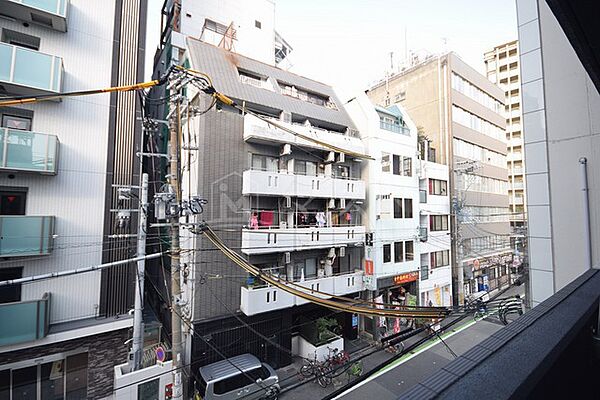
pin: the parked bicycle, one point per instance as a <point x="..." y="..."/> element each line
<point x="321" y="370"/>
<point x="337" y="358"/>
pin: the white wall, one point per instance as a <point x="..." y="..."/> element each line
<point x="561" y="123"/>
<point x="252" y="42"/>
<point x="76" y="194"/>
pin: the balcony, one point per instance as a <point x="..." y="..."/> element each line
<point x="285" y="184"/>
<point x="49" y="13"/>
<point x="285" y="232"/>
<point x="28" y="72"/>
<point x="22" y="235"/>
<point x="517" y="200"/>
<point x="256" y="300"/>
<point x="259" y="131"/>
<point x="394" y="128"/>
<point x="516" y="171"/>
<point x="25" y="151"/>
<point x="517" y="185"/>
<point x="29" y="320"/>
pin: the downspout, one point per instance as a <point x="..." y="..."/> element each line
<point x="587" y="242"/>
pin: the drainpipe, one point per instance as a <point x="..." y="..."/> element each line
<point x="588" y="239"/>
<point x="586" y="213"/>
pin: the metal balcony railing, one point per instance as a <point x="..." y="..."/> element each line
<point x="22" y="235"/>
<point x="28" y="151"/>
<point x="24" y="321"/>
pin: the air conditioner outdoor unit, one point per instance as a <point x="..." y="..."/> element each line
<point x="341" y="157"/>
<point x="330" y="157"/>
<point x="342" y="251"/>
<point x="286" y="150"/>
<point x="286" y="117"/>
<point x="287" y="258"/>
<point x="342" y="203"/>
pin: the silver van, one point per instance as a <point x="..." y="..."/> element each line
<point x="238" y="377"/>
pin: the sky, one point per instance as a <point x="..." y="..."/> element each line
<point x="347" y="43"/>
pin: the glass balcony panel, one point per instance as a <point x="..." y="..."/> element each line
<point x="30" y="72"/>
<point x="33" y="69"/>
<point x="28" y="321"/>
<point x="52" y="6"/>
<point x="28" y="150"/>
<point x="5" y="61"/>
<point x="25" y="235"/>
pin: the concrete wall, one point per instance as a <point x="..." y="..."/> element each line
<point x="561" y="123"/>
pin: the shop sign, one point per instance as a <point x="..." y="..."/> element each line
<point x="405" y="278"/>
<point x="368" y="267"/>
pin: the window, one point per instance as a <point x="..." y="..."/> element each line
<point x="305" y="168"/>
<point x="20" y="39"/>
<point x="265" y="163"/>
<point x="14" y="122"/>
<point x="387" y="253"/>
<point x="408" y="209"/>
<point x="409" y="250"/>
<point x="252" y="79"/>
<point x="424" y="272"/>
<point x="398" y="251"/>
<point x="215" y="26"/>
<point x="440" y="258"/>
<point x="12" y="293"/>
<point x="438" y="222"/>
<point x="148" y="390"/>
<point x="407" y="166"/>
<point x="438" y="187"/>
<point x="258" y="24"/>
<point x="230" y="384"/>
<point x="396" y="164"/>
<point x="12" y="202"/>
<point x="397" y="208"/>
<point x="385" y="162"/>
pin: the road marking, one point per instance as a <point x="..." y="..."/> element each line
<point x="409" y="356"/>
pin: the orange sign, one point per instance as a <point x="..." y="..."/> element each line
<point x="407" y="277"/>
<point x="369" y="267"/>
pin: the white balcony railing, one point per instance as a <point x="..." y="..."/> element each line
<point x="257" y="130"/>
<point x="287" y="184"/>
<point x="262" y="241"/>
<point x="256" y="300"/>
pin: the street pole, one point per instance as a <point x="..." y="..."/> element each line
<point x="138" y="323"/>
<point x="176" y="337"/>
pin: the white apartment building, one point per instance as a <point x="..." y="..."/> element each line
<point x="61" y="337"/>
<point x="406" y="227"/>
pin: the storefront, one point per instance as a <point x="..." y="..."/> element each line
<point x="58" y="376"/>
<point x="401" y="289"/>
<point x="487" y="274"/>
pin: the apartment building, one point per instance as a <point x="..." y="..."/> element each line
<point x="288" y="205"/>
<point x="462" y="114"/>
<point x="405" y="226"/>
<point x="559" y="90"/>
<point x="502" y="68"/>
<point x="61" y="337"/>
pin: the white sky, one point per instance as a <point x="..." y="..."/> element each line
<point x="346" y="43"/>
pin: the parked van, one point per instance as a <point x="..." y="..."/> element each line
<point x="238" y="377"/>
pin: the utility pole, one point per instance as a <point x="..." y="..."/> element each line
<point x="138" y="323"/>
<point x="176" y="337"/>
